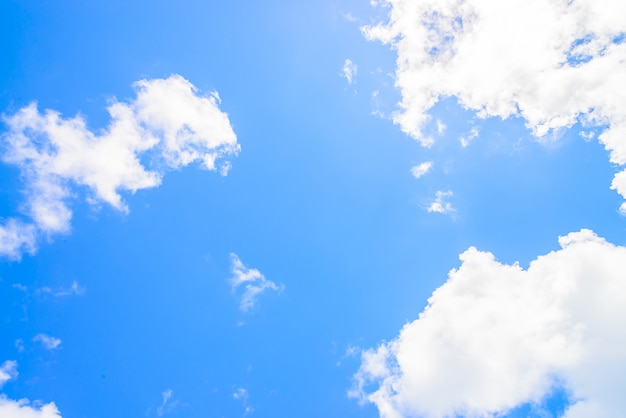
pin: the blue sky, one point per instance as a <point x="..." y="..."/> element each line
<point x="394" y="209"/>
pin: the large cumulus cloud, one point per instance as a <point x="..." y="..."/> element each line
<point x="497" y="336"/>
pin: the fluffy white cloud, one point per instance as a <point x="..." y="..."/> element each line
<point x="553" y="62"/>
<point x="21" y="409"/>
<point x="349" y="70"/>
<point x="48" y="342"/>
<point x="253" y="282"/>
<point x="168" y="123"/>
<point x="421" y="169"/>
<point x="441" y="204"/>
<point x="496" y="336"/>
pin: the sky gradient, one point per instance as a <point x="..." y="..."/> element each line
<point x="402" y="208"/>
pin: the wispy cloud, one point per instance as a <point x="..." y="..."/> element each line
<point x="167" y="404"/>
<point x="251" y="280"/>
<point x="241" y="394"/>
<point x="167" y="120"/>
<point x="349" y="71"/>
<point x="351" y="18"/>
<point x="466" y="139"/>
<point x="48" y="342"/>
<point x="73" y="289"/>
<point x="441" y="127"/>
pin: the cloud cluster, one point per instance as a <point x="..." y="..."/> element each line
<point x="167" y="126"/>
<point x="21" y="408"/>
<point x="554" y="63"/>
<point x="441" y="204"/>
<point x="253" y="282"/>
<point x="496" y="336"/>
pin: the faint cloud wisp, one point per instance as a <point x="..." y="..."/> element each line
<point x="251" y="281"/>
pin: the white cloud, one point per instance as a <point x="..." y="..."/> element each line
<point x="8" y="371"/>
<point x="22" y="409"/>
<point x="349" y="70"/>
<point x="168" y="121"/>
<point x="421" y="169"/>
<point x="253" y="282"/>
<point x="48" y="342"/>
<point x="496" y="336"/>
<point x="440" y="204"/>
<point x="554" y="63"/>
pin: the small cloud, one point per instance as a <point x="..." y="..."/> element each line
<point x="19" y="345"/>
<point x="351" y="18"/>
<point x="587" y="136"/>
<point x="167" y="405"/>
<point x="465" y="140"/>
<point x="441" y="127"/>
<point x="73" y="289"/>
<point x="48" y="342"/>
<point x="349" y="70"/>
<point x="225" y="168"/>
<point x="421" y="169"/>
<point x="241" y="394"/>
<point x="352" y="351"/>
<point x="20" y="287"/>
<point x="253" y="282"/>
<point x="377" y="105"/>
<point x="8" y="371"/>
<point x="440" y="204"/>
